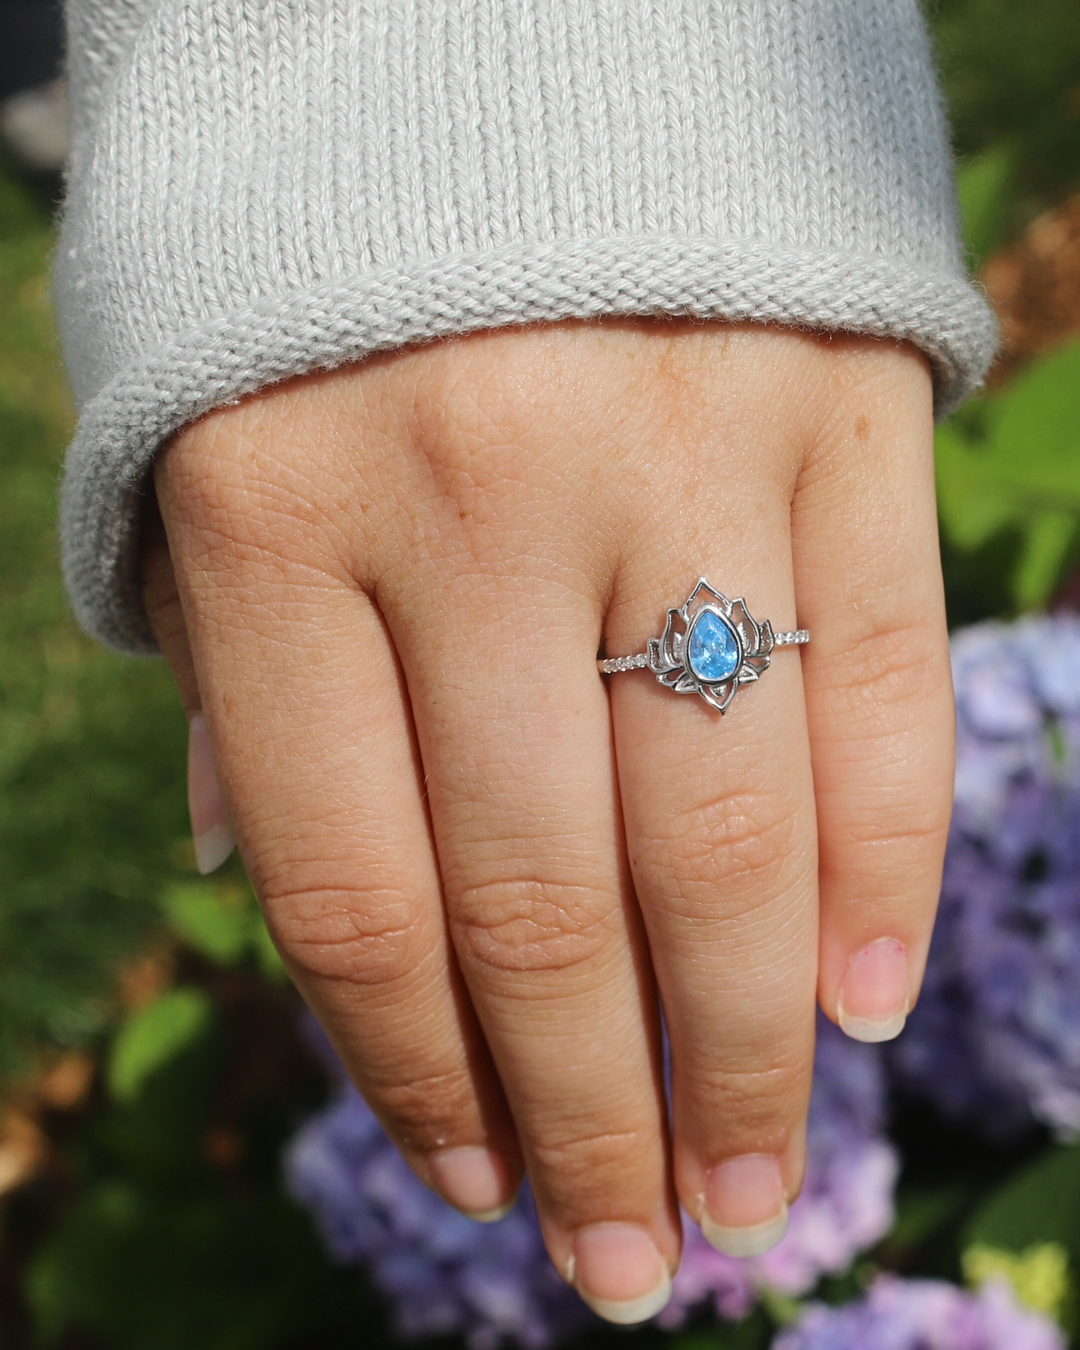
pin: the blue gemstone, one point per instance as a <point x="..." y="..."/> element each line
<point x="713" y="653"/>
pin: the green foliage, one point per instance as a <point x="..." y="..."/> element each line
<point x="1040" y="1204"/>
<point x="92" y="816"/>
<point x="1028" y="1231"/>
<point x="153" y="1036"/>
<point x="199" y="1272"/>
<point x="222" y="922"/>
<point x="982" y="189"/>
<point x="923" y="1211"/>
<point x="160" y="1249"/>
<point x="1039" y="1275"/>
<point x="1012" y="78"/>
<point x="1010" y="462"/>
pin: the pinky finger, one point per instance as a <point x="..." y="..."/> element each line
<point x="211" y="831"/>
<point x="878" y="690"/>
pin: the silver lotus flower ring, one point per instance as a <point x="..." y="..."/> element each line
<point x="711" y="646"/>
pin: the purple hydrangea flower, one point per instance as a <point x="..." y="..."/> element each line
<point x="924" y="1315"/>
<point x="443" y="1273"/>
<point x="494" y="1283"/>
<point x="1014" y="684"/>
<point x="996" y="1033"/>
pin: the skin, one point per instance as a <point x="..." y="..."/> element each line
<point x="386" y="588"/>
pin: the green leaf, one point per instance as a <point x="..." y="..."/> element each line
<point x="1017" y="466"/>
<point x="1048" y="539"/>
<point x="223" y="923"/>
<point x="1035" y="441"/>
<point x="1040" y="1204"/>
<point x="982" y="186"/>
<point x="142" y="1268"/>
<point x="972" y="506"/>
<point x="266" y="954"/>
<point x="153" y="1036"/>
<point x="922" y="1212"/>
<point x="1039" y="1276"/>
<point x="92" y="804"/>
<point x="215" y="922"/>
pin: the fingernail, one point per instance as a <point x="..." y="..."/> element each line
<point x="745" y="1211"/>
<point x="873" y="1000"/>
<point x="474" y="1180"/>
<point x="210" y="829"/>
<point x="619" y="1272"/>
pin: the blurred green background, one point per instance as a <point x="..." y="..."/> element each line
<point x="148" y="1051"/>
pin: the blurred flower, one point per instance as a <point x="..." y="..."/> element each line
<point x="444" y="1273"/>
<point x="923" y="1315"/>
<point x="1017" y="710"/>
<point x="996" y="1033"/>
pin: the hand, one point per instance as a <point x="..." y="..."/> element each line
<point x="480" y="863"/>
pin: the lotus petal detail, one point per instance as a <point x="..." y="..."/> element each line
<point x="711" y="646"/>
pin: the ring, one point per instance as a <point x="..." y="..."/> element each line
<point x="711" y="646"/>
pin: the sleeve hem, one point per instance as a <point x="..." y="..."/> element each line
<point x="224" y="359"/>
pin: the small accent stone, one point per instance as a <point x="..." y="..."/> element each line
<point x="713" y="650"/>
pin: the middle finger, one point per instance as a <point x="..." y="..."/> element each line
<point x="514" y="732"/>
<point x="720" y="824"/>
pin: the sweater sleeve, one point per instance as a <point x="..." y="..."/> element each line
<point x="260" y="188"/>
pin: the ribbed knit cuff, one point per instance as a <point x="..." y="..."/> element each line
<point x="264" y="189"/>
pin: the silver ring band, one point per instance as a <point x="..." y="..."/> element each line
<point x="710" y="646"/>
<point x="614" y="665"/>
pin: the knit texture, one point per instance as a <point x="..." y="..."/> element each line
<point x="261" y="188"/>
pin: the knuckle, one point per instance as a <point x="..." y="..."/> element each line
<point x="471" y="394"/>
<point x="530" y="923"/>
<point x="896" y="853"/>
<point x="357" y="937"/>
<point x="887" y="668"/>
<point x="735" y="835"/>
<point x="587" y="1167"/>
<point x="425" y="1110"/>
<point x="244" y="501"/>
<point x="916" y="823"/>
<point x="753" y="1102"/>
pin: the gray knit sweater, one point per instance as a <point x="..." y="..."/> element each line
<point x="264" y="187"/>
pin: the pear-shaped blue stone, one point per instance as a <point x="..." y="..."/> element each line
<point x="713" y="648"/>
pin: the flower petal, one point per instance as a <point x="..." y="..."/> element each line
<point x="669" y="647"/>
<point x="719" y="695"/>
<point x="758" y="663"/>
<point x="744" y="625"/>
<point x="660" y="657"/>
<point x="711" y="597"/>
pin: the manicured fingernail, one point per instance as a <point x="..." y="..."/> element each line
<point x="873" y="1000"/>
<point x="210" y="829"/>
<point x="619" y="1272"/>
<point x="474" y="1180"/>
<point x="745" y="1212"/>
